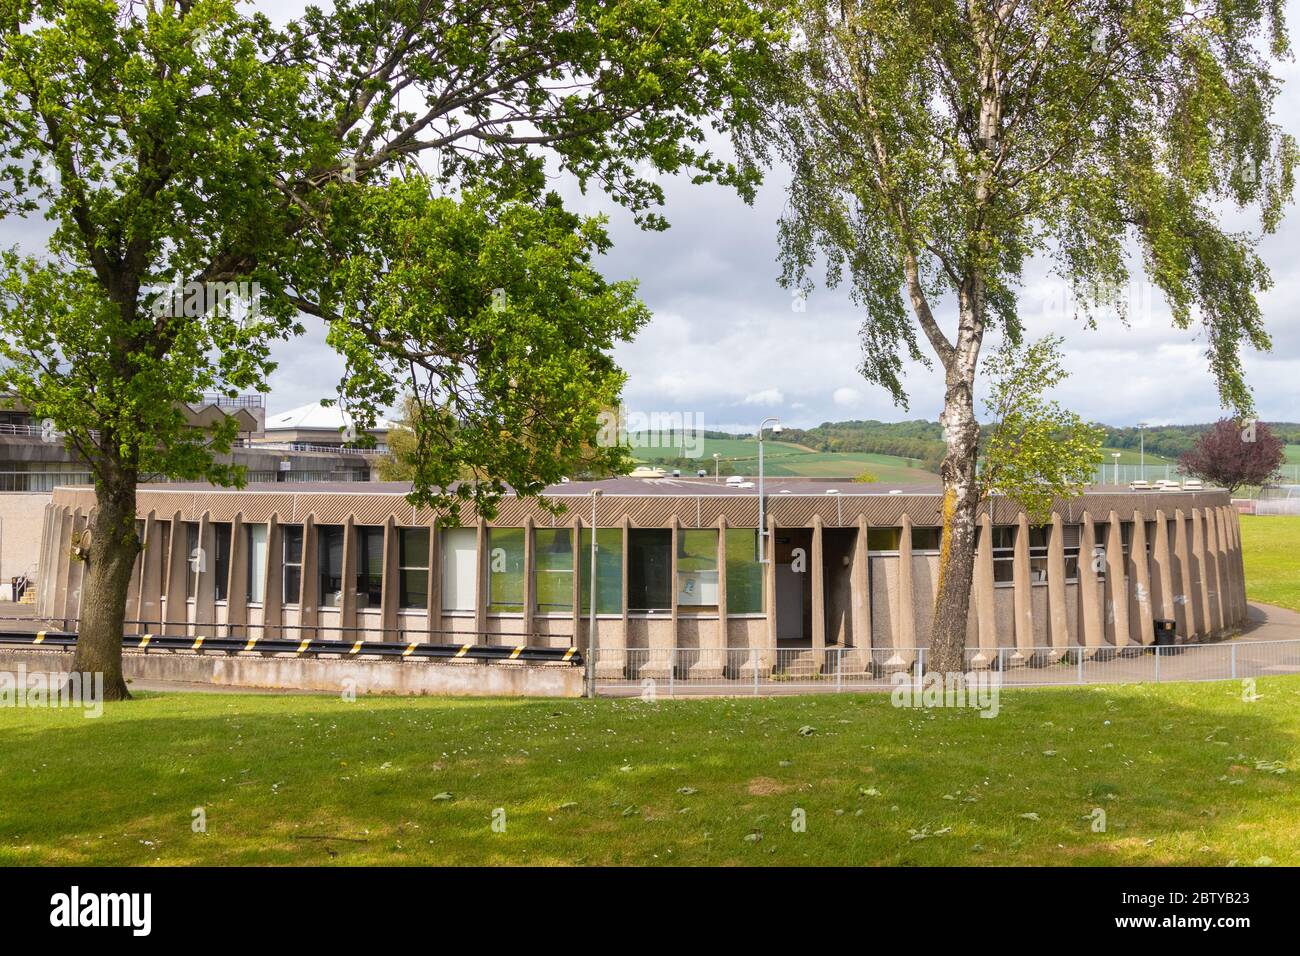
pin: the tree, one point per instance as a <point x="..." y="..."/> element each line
<point x="936" y="147"/>
<point x="1035" y="451"/>
<point x="182" y="147"/>
<point x="1233" y="453"/>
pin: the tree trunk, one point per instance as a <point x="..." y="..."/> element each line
<point x="961" y="497"/>
<point x="109" y="563"/>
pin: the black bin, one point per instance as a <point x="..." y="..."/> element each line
<point x="1164" y="632"/>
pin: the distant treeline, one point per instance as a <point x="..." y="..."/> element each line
<point x="922" y="441"/>
<point x="918" y="440"/>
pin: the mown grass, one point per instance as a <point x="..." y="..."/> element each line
<point x="1186" y="774"/>
<point x="1271" y="555"/>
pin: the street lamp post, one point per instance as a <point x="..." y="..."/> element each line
<point x="1115" y="455"/>
<point x="762" y="504"/>
<point x="591" y="625"/>
<point x="716" y="462"/>
<point x="1142" y="448"/>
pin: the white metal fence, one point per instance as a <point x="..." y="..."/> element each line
<point x="690" y="672"/>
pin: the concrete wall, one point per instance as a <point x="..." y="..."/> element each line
<point x="22" y="515"/>
<point x="409" y="677"/>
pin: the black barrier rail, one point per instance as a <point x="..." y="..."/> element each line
<point x="359" y="648"/>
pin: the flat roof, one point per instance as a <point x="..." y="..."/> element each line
<point x="625" y="486"/>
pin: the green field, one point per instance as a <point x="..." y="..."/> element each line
<point x="1292" y="453"/>
<point x="1185" y="774"/>
<point x="1271" y="554"/>
<point x="1132" y="456"/>
<point x="783" y="460"/>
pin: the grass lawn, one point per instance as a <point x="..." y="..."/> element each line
<point x="1271" y="554"/>
<point x="786" y="460"/>
<point x="1185" y="774"/>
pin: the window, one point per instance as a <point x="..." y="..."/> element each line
<point x="1004" y="554"/>
<point x="459" y="569"/>
<point x="927" y="539"/>
<point x="506" y="570"/>
<point x="1100" y="536"/>
<point x="370" y="566"/>
<point x="609" y="571"/>
<point x="255" y="543"/>
<point x="884" y="539"/>
<point x="1071" y="532"/>
<point x="553" y="569"/>
<point x="195" y="560"/>
<point x="1038" y="538"/>
<point x="162" y="540"/>
<point x="744" y="573"/>
<point x="697" y="569"/>
<point x="649" y="570"/>
<point x="292" y="564"/>
<point x="221" y="563"/>
<point x="329" y="564"/>
<point x="413" y="567"/>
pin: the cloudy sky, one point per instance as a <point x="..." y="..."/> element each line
<point x="726" y="344"/>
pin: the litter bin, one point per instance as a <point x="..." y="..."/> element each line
<point x="1165" y="634"/>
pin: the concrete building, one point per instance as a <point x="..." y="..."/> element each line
<point x="316" y="426"/>
<point x="851" y="566"/>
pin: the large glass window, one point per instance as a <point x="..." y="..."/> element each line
<point x="1100" y="538"/>
<point x="459" y="569"/>
<point x="884" y="539"/>
<point x="697" y="569"/>
<point x="195" y="560"/>
<point x="1004" y="554"/>
<point x="255" y="544"/>
<point x="329" y="564"/>
<point x="221" y="561"/>
<point x="609" y="571"/>
<point x="413" y="561"/>
<point x="370" y="566"/>
<point x="1038" y="538"/>
<point x="1071" y="532"/>
<point x="553" y="569"/>
<point x="649" y="570"/>
<point x="927" y="539"/>
<point x="744" y="573"/>
<point x="292" y="535"/>
<point x="162" y="540"/>
<point x="506" y="569"/>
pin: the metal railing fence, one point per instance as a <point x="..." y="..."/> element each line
<point x="687" y="672"/>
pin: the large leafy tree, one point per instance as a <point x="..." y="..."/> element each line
<point x="381" y="167"/>
<point x="937" y="146"/>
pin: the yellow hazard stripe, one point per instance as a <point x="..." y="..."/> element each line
<point x="198" y="642"/>
<point x="357" y="646"/>
<point x="464" y="650"/>
<point x="303" y="646"/>
<point x="516" y="652"/>
<point x="144" y="641"/>
<point x="251" y="641"/>
<point x="569" y="653"/>
<point x="410" y="649"/>
<point x="40" y="636"/>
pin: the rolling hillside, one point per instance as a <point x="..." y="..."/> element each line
<point x="739" y="456"/>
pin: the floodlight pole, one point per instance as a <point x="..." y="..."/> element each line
<point x="762" y="502"/>
<point x="1142" y="448"/>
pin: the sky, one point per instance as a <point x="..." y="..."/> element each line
<point x="727" y="346"/>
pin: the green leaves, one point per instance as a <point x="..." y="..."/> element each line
<point x="1036" y="451"/>
<point x="492" y="309"/>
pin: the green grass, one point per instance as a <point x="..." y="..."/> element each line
<point x="1133" y="456"/>
<point x="784" y="460"/>
<point x="1291" y="454"/>
<point x="1271" y="555"/>
<point x="1185" y="774"/>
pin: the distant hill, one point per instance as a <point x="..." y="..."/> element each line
<point x="918" y="445"/>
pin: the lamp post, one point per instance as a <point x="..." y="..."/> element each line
<point x="762" y="509"/>
<point x="1142" y="448"/>
<point x="591" y="625"/>
<point x="716" y="462"/>
<point x="1115" y="455"/>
